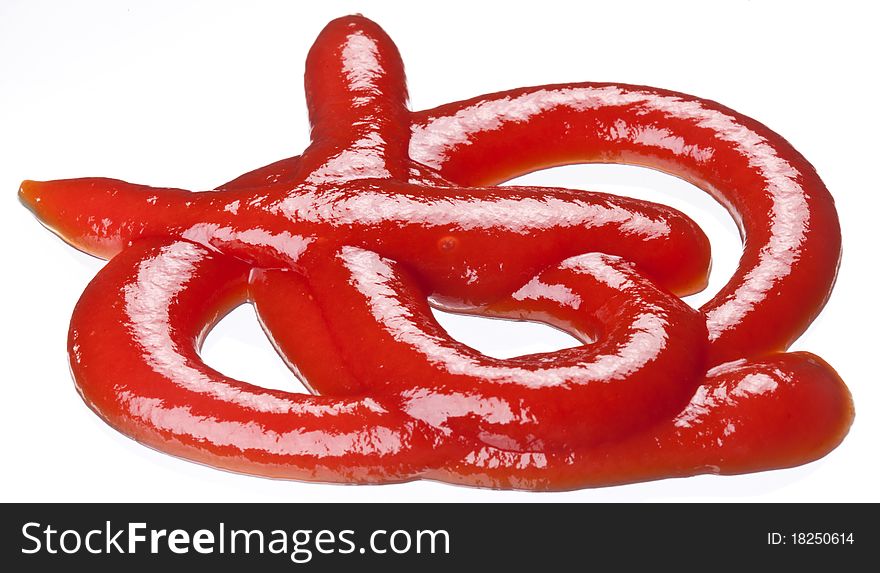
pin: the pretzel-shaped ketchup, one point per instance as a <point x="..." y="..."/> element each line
<point x="341" y="249"/>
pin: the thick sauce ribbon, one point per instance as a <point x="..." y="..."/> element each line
<point x="342" y="248"/>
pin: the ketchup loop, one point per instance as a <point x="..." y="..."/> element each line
<point x="340" y="250"/>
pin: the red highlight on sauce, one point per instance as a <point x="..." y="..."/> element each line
<point x="340" y="249"/>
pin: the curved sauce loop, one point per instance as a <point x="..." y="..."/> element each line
<point x="340" y="249"/>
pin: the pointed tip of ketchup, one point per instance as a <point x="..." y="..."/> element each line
<point x="29" y="194"/>
<point x="37" y="196"/>
<point x="45" y="200"/>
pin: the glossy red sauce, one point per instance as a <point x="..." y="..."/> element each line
<point x="341" y="248"/>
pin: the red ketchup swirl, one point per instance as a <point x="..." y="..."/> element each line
<point x="341" y="249"/>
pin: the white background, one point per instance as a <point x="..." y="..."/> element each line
<point x="192" y="94"/>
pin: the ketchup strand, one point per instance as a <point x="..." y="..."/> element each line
<point x="340" y="249"/>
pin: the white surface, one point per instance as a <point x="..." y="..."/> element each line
<point x="193" y="94"/>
